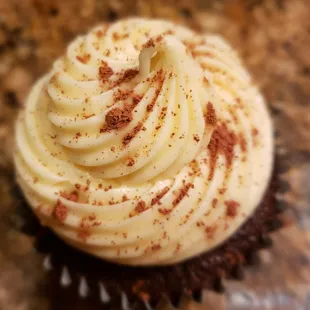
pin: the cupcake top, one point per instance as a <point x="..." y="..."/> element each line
<point x="146" y="144"/>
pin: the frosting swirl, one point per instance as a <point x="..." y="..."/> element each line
<point x="146" y="144"/>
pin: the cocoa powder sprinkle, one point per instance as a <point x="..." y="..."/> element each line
<point x="105" y="72"/>
<point x="210" y="230"/>
<point x="121" y="95"/>
<point x="126" y="76"/>
<point x="117" y="36"/>
<point x="83" y="234"/>
<point x="159" y="196"/>
<point x="129" y="136"/>
<point x="196" y="138"/>
<point x="141" y="206"/>
<point x="156" y="247"/>
<point x="210" y="116"/>
<point x="242" y="142"/>
<point x="164" y="211"/>
<point x="149" y="43"/>
<point x="99" y="34"/>
<point x="131" y="162"/>
<point x="60" y="211"/>
<point x="231" y="207"/>
<point x="83" y="59"/>
<point x="214" y="202"/>
<point x="222" y="190"/>
<point x="73" y="196"/>
<point x="117" y="119"/>
<point x="255" y="132"/>
<point x="92" y="217"/>
<point x="222" y="141"/>
<point x="182" y="193"/>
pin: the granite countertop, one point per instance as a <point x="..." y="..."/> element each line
<point x="273" y="37"/>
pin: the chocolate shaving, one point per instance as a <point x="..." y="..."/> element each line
<point x="136" y="99"/>
<point x="117" y="36"/>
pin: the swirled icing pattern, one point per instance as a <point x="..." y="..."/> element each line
<point x="146" y="144"/>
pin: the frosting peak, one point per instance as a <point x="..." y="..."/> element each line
<point x="134" y="123"/>
<point x="144" y="133"/>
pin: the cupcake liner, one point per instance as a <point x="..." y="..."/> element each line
<point x="76" y="276"/>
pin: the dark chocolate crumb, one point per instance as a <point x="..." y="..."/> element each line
<point x="141" y="206"/>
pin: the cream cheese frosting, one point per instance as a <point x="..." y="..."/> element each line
<point x="146" y="144"/>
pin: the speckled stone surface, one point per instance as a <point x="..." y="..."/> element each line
<point x="273" y="36"/>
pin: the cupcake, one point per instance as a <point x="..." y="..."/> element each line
<point x="149" y="153"/>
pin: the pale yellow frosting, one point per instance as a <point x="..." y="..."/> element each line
<point x="147" y="143"/>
